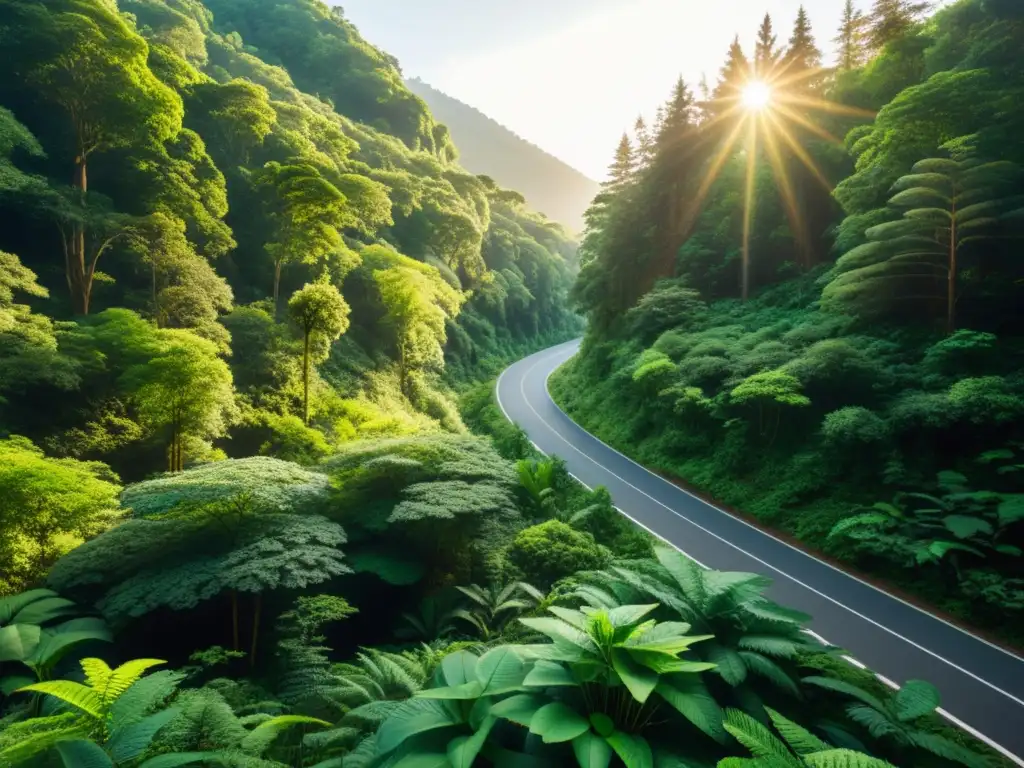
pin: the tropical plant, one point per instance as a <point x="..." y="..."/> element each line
<point x="31" y="637"/>
<point x="896" y="718"/>
<point x="491" y="608"/>
<point x="588" y="694"/>
<point x="797" y="747"/>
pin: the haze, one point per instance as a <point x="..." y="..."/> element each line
<point x="572" y="77"/>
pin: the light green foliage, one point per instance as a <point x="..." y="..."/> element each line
<point x="321" y="313"/>
<point x="550" y="551"/>
<point x="47" y="508"/>
<point x="491" y="608"/>
<point x="272" y="484"/>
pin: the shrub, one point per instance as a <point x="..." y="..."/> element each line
<point x="553" y="550"/>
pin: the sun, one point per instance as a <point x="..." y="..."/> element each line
<point x="756" y="95"/>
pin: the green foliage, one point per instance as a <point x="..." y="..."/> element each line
<point x="47" y="508"/>
<point x="551" y="551"/>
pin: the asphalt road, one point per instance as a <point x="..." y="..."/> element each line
<point x="982" y="685"/>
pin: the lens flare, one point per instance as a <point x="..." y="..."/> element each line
<point x="757" y="95"/>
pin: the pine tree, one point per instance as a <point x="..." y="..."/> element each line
<point x="766" y="53"/>
<point x="620" y="172"/>
<point x="891" y="19"/>
<point x="679" y="117"/>
<point x="644" y="144"/>
<point x="731" y="79"/>
<point x="850" y="42"/>
<point x="803" y="56"/>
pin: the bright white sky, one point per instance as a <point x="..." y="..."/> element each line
<point x="571" y="75"/>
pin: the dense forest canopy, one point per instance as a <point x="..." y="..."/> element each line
<point x="247" y="298"/>
<point x="804" y="296"/>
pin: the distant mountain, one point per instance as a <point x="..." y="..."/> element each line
<point x="488" y="148"/>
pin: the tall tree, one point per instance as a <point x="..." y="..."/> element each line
<point x="320" y="312"/>
<point x="802" y="61"/>
<point x="891" y="19"/>
<point x="766" y="51"/>
<point x="84" y="58"/>
<point x="620" y="172"/>
<point x="644" y="144"/>
<point x="305" y="210"/>
<point x="731" y="78"/>
<point x="949" y="205"/>
<point x="851" y="40"/>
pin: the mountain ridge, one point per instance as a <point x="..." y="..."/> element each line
<point x="549" y="184"/>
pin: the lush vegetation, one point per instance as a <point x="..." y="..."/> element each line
<point x="245" y="523"/>
<point x="834" y="349"/>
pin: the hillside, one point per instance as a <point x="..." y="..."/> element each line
<point x="487" y="147"/>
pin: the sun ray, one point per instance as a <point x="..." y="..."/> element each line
<point x="799" y="119"/>
<point x="716" y="167"/>
<point x="820" y="105"/>
<point x="799" y="151"/>
<point x="748" y="203"/>
<point x="789" y="200"/>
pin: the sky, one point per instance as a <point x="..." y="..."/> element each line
<point x="572" y="75"/>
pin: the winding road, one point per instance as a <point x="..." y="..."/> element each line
<point x="982" y="685"/>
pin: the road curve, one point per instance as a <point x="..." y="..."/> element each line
<point x="982" y="685"/>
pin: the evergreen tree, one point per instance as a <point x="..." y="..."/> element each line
<point x="644" y="144"/>
<point x="766" y="52"/>
<point x="891" y="19"/>
<point x="731" y="78"/>
<point x="678" y="117"/>
<point x="803" y="57"/>
<point x="850" y="42"/>
<point x="620" y="172"/>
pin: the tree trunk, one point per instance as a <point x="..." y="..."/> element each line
<point x="255" y="629"/>
<point x="78" y="277"/>
<point x="277" y="285"/>
<point x="951" y="277"/>
<point x="234" y="619"/>
<point x="305" y="379"/>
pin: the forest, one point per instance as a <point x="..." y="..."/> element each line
<point x="806" y="304"/>
<point x="259" y="508"/>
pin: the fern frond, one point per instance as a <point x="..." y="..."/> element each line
<point x="97" y="673"/>
<point x="876" y="722"/>
<point x="257" y="741"/>
<point x="844" y="758"/>
<point x="122" y="678"/>
<point x="768" y="669"/>
<point x="758" y="739"/>
<point x="77" y="695"/>
<point x="797" y="737"/>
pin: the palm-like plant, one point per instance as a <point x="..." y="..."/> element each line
<point x="30" y="638"/>
<point x="589" y="694"/>
<point x="434" y="619"/>
<point x="492" y="607"/>
<point x="537" y="480"/>
<point x="897" y="717"/>
<point x="798" y="747"/>
<point x="752" y="637"/>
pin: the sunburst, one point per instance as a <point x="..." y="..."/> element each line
<point x="765" y="112"/>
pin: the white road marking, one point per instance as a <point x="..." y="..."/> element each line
<point x="1002" y="750"/>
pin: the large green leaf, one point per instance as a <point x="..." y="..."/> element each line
<point x="664" y="663"/>
<point x="83" y="754"/>
<point x="9" y="606"/>
<point x="471" y="690"/>
<point x="965" y="526"/>
<point x="627" y="615"/>
<point x="841" y="686"/>
<point x="797" y="737"/>
<point x="462" y="750"/>
<point x="556" y="628"/>
<point x="688" y="695"/>
<point x="556" y="722"/>
<point x="915" y="699"/>
<point x="640" y="680"/>
<point x="128" y="743"/>
<point x="1011" y="509"/>
<point x="42" y="611"/>
<point x="411" y="718"/>
<point x="520" y="708"/>
<point x="634" y="751"/>
<point x="591" y="751"/>
<point x="422" y="760"/>
<point x="19" y="641"/>
<point x="54" y="647"/>
<point x="500" y="670"/>
<point x="547" y="674"/>
<point x="181" y="758"/>
<point x="459" y="667"/>
<point x="728" y="663"/>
